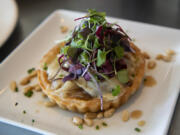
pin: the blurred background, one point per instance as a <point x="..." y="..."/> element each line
<point x="32" y="12"/>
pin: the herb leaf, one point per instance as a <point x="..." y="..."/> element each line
<point x="64" y="50"/>
<point x="123" y="76"/>
<point x="101" y="57"/>
<point x="96" y="43"/>
<point x="80" y="126"/>
<point x="104" y="124"/>
<point x="29" y="93"/>
<point x="97" y="127"/>
<point x="137" y="130"/>
<point x="30" y="70"/>
<point x="84" y="58"/>
<point x="45" y="66"/>
<point x="116" y="90"/>
<point x="119" y="51"/>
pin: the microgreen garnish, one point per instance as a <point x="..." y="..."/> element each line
<point x="30" y="70"/>
<point x="104" y="124"/>
<point x="123" y="76"/>
<point x="101" y="57"/>
<point x="29" y="93"/>
<point x="97" y="127"/>
<point x="45" y="66"/>
<point x="61" y="76"/>
<point x="95" y="51"/>
<point x="119" y="51"/>
<point x="116" y="90"/>
<point x="80" y="126"/>
<point x="137" y="130"/>
<point x="33" y="120"/>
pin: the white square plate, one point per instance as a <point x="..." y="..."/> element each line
<point x="157" y="103"/>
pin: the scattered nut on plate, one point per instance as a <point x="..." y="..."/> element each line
<point x="13" y="86"/>
<point x="136" y="114"/>
<point x="77" y="120"/>
<point x="141" y="123"/>
<point x="109" y="113"/>
<point x="90" y="115"/>
<point x="125" y="115"/>
<point x="151" y="64"/>
<point x="146" y="55"/>
<point x="88" y="122"/>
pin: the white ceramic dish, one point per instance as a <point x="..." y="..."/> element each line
<point x="8" y="17"/>
<point x="157" y="103"/>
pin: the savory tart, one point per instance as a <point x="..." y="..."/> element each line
<point x="96" y="68"/>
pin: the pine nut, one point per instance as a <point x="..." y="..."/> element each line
<point x="109" y="113"/>
<point x="146" y="55"/>
<point x="28" y="78"/>
<point x="13" y="86"/>
<point x="167" y="58"/>
<point x="90" y="115"/>
<point x="77" y="120"/>
<point x="151" y="64"/>
<point x="125" y="115"/>
<point x="159" y="57"/>
<point x="88" y="122"/>
<point x="100" y="115"/>
<point x="170" y="52"/>
<point x="141" y="123"/>
<point x="25" y="81"/>
<point x="64" y="29"/>
<point x="136" y="114"/>
<point x="28" y="88"/>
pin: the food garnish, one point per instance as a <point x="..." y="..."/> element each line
<point x="29" y="93"/>
<point x="95" y="50"/>
<point x="45" y="66"/>
<point x="30" y="70"/>
<point x="116" y="90"/>
<point x="97" y="127"/>
<point x="104" y="124"/>
<point x="80" y="126"/>
<point x="137" y="130"/>
<point x="24" y="112"/>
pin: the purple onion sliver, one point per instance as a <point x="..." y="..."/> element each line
<point x="81" y="18"/>
<point x="87" y="77"/>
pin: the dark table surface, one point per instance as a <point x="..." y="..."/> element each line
<point x="33" y="12"/>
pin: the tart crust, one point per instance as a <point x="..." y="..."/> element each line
<point x="90" y="104"/>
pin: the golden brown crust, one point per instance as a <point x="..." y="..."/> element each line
<point x="93" y="104"/>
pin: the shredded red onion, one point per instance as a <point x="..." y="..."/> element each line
<point x="81" y="18"/>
